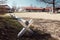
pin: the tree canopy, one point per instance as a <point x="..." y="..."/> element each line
<point x="57" y="2"/>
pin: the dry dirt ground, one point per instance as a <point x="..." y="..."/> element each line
<point x="48" y="26"/>
<point x="38" y="15"/>
<point x="9" y="29"/>
<point x="44" y="29"/>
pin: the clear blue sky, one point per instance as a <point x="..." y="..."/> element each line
<point x="25" y="3"/>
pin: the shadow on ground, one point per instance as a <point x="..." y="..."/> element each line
<point x="36" y="36"/>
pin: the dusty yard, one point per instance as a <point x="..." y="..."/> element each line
<point x="38" y="15"/>
<point x="51" y="27"/>
<point x="9" y="29"/>
<point x="46" y="27"/>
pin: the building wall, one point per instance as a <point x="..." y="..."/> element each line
<point x="4" y="8"/>
<point x="32" y="9"/>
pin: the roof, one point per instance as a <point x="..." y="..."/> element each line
<point x="32" y="8"/>
<point x="4" y="6"/>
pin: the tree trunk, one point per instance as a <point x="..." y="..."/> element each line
<point x="53" y="6"/>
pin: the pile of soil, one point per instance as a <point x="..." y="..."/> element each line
<point x="9" y="29"/>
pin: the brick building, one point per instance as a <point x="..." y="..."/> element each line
<point x="35" y="9"/>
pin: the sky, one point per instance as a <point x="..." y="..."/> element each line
<point x="24" y="3"/>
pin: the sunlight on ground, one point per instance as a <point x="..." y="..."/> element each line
<point x="38" y="15"/>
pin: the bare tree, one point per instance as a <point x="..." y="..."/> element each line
<point x="53" y="2"/>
